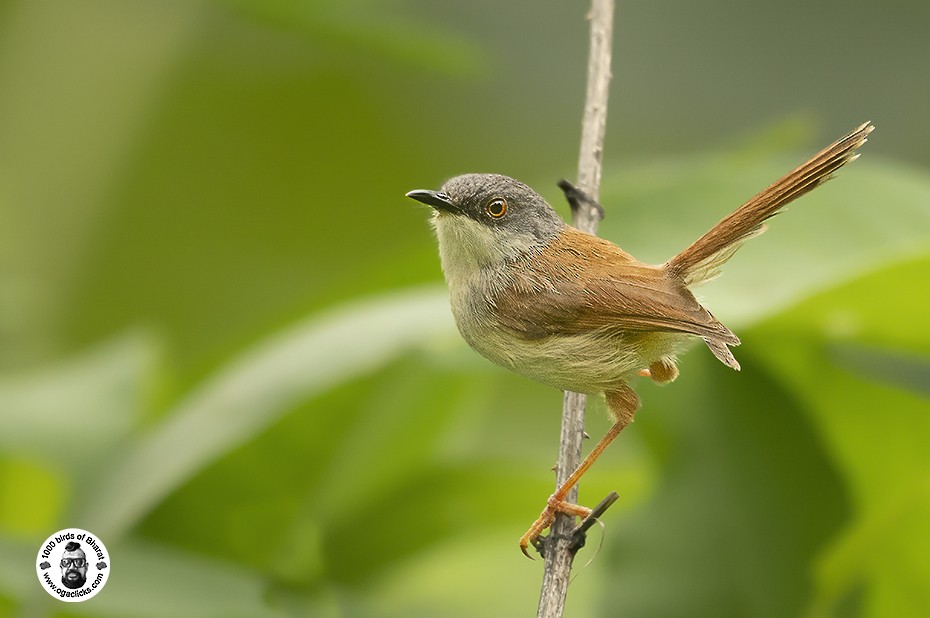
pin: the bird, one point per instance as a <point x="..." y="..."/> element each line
<point x="575" y="311"/>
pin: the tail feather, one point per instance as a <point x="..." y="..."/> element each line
<point x="702" y="260"/>
<point x="722" y="351"/>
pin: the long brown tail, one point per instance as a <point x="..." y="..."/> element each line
<point x="702" y="260"/>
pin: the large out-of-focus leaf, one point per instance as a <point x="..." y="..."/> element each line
<point x="254" y="390"/>
<point x="746" y="498"/>
<point x="361" y="492"/>
<point x="908" y="371"/>
<point x="61" y="423"/>
<point x="74" y="411"/>
<point x="876" y="426"/>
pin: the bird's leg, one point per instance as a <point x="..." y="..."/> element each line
<point x="622" y="403"/>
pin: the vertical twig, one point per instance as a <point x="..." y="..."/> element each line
<point x="559" y="550"/>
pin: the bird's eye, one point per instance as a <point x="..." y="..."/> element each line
<point x="496" y="208"/>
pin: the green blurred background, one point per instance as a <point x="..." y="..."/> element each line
<point x="225" y="346"/>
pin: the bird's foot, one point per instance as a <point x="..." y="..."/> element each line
<point x="553" y="505"/>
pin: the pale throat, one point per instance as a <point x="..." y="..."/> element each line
<point x="470" y="251"/>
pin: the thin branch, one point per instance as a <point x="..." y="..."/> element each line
<point x="561" y="543"/>
<point x="594" y="123"/>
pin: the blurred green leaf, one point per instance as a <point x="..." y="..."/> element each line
<point x="745" y="500"/>
<point x="98" y="396"/>
<point x="907" y="371"/>
<point x="30" y="481"/>
<point x="361" y="486"/>
<point x="876" y="428"/>
<point x="255" y="390"/>
<point x="883" y="553"/>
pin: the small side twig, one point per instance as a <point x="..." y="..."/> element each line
<point x="579" y="534"/>
<point x="560" y="545"/>
<point x="579" y="201"/>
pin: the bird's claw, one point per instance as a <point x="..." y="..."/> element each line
<point x="554" y="504"/>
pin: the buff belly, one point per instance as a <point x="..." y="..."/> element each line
<point x="586" y="363"/>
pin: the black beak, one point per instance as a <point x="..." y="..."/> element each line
<point x="439" y="201"/>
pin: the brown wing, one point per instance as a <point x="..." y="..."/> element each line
<point x="583" y="283"/>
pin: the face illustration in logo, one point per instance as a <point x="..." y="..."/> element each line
<point x="73" y="566"/>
